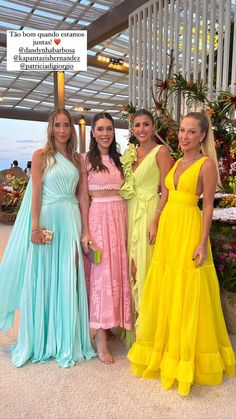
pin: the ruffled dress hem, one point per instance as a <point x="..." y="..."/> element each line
<point x="207" y="369"/>
<point x="63" y="363"/>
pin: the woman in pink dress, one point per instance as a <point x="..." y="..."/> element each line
<point x="108" y="286"/>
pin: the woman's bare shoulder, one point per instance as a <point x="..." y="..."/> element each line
<point x="208" y="165"/>
<point x="163" y="151"/>
<point x="38" y="154"/>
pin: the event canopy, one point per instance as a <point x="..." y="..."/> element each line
<point x="104" y="86"/>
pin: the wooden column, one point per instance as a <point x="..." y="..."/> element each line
<point x="82" y="134"/>
<point x="59" y="89"/>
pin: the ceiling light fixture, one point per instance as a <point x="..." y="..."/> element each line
<point x="113" y="62"/>
<point x="81" y="109"/>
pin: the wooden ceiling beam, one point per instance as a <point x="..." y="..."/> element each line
<point x="114" y="21"/>
<point x="28" y="115"/>
<point x="3" y="42"/>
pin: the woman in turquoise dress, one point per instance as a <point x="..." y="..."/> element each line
<point x="46" y="280"/>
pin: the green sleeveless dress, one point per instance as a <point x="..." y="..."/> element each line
<point x="141" y="192"/>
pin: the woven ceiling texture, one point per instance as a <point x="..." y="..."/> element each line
<point x="97" y="89"/>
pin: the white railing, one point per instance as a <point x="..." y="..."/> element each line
<point x="202" y="35"/>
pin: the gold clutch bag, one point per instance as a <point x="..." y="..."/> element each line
<point x="48" y="235"/>
<point x="94" y="255"/>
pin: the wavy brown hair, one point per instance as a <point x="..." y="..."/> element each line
<point x="94" y="156"/>
<point x="49" y="149"/>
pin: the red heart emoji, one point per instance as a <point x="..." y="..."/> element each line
<point x="57" y="41"/>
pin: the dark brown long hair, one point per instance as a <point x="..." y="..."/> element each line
<point x="142" y="111"/>
<point x="94" y="156"/>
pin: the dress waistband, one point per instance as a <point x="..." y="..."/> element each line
<point x="107" y="198"/>
<point x="52" y="199"/>
<point x="183" y="198"/>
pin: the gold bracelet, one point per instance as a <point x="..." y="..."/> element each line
<point x="159" y="210"/>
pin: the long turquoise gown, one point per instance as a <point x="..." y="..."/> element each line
<point x="43" y="280"/>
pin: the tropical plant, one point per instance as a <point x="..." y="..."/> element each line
<point x="222" y="111"/>
<point x="228" y="201"/>
<point x="12" y="192"/>
<point x="224" y="254"/>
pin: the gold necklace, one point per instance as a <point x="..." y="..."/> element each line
<point x="192" y="158"/>
<point x="144" y="154"/>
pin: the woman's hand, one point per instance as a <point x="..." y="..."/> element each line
<point x="86" y="241"/>
<point x="152" y="231"/>
<point x="201" y="254"/>
<point x="37" y="236"/>
<point x="83" y="197"/>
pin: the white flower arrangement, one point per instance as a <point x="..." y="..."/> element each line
<point x="225" y="214"/>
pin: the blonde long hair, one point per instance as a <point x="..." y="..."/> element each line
<point x="208" y="143"/>
<point x="49" y="149"/>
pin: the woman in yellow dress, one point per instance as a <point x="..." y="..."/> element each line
<point x="181" y="334"/>
<point x="145" y="168"/>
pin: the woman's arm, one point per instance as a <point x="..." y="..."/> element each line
<point x="164" y="162"/>
<point x="37" y="181"/>
<point x="83" y="198"/>
<point x="209" y="180"/>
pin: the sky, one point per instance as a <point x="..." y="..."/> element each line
<point x="19" y="139"/>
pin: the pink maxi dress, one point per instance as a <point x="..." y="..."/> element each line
<point x="108" y="283"/>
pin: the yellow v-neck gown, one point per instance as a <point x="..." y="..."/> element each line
<point x="181" y="333"/>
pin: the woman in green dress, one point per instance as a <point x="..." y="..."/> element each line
<point x="145" y="168"/>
